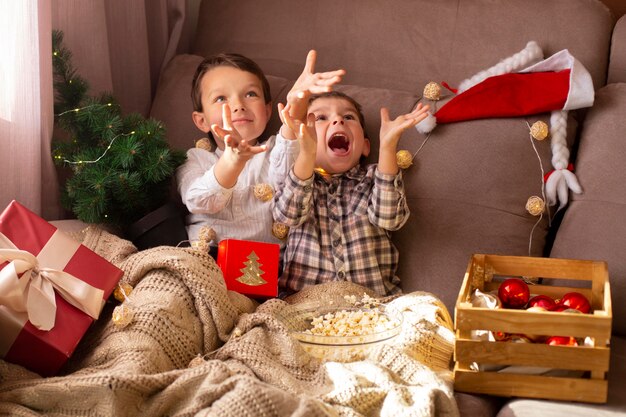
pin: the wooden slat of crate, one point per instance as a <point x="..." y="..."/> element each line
<point x="531" y="386"/>
<point x="544" y="267"/>
<point x="534" y="322"/>
<point x="532" y="354"/>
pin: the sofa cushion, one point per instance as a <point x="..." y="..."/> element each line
<point x="616" y="404"/>
<point x="593" y="226"/>
<point x="172" y="102"/>
<point x="472" y="405"/>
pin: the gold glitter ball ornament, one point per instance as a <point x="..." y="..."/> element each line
<point x="404" y="159"/>
<point x="123" y="315"/>
<point x="207" y="234"/>
<point x="535" y="205"/>
<point x="263" y="192"/>
<point x="200" y="245"/>
<point x="539" y="130"/>
<point x="122" y="291"/>
<point x="205" y="144"/>
<point x="432" y="91"/>
<point x="280" y="230"/>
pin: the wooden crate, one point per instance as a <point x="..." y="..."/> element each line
<point x="485" y="272"/>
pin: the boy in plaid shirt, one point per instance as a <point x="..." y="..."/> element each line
<point x="340" y="213"/>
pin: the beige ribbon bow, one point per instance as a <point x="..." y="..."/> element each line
<point x="33" y="292"/>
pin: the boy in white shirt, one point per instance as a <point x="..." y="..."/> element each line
<point x="231" y="99"/>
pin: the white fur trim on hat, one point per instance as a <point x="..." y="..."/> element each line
<point x="427" y="125"/>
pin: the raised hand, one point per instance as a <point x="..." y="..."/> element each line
<point x="305" y="132"/>
<point x="310" y="82"/>
<point x="307" y="137"/>
<point x="391" y="130"/>
<point x="234" y="146"/>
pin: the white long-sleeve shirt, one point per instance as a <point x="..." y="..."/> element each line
<point x="234" y="212"/>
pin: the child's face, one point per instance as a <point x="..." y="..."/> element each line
<point x="243" y="91"/>
<point x="340" y="138"/>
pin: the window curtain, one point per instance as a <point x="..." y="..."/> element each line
<point x="25" y="102"/>
<point x="118" y="46"/>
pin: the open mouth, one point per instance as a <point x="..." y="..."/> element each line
<point x="339" y="143"/>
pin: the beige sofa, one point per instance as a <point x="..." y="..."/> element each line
<point x="468" y="185"/>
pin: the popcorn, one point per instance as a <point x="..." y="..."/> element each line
<point x="343" y="330"/>
<point x="351" y="323"/>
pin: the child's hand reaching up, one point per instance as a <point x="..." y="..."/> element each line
<point x="390" y="133"/>
<point x="236" y="149"/>
<point x="309" y="82"/>
<point x="307" y="137"/>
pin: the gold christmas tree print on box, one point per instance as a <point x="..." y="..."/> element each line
<point x="252" y="272"/>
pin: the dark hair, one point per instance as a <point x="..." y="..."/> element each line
<point x="226" y="60"/>
<point x="340" y="95"/>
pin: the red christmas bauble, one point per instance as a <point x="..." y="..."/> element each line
<point x="561" y="341"/>
<point x="576" y="301"/>
<point x="501" y="336"/>
<point x="541" y="301"/>
<point x="513" y="293"/>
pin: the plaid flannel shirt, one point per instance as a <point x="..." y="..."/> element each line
<point x="339" y="228"/>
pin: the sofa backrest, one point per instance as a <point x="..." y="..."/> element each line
<point x="470" y="181"/>
<point x="403" y="44"/>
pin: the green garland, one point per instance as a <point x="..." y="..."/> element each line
<point x="121" y="165"/>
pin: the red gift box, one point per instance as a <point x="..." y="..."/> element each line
<point x="249" y="267"/>
<point x="85" y="279"/>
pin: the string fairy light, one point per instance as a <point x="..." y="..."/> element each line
<point x="76" y="110"/>
<point x="101" y="156"/>
<point x="543" y="189"/>
<point x="432" y="93"/>
<point x="434" y="110"/>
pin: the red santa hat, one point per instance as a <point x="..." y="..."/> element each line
<point x="556" y="83"/>
<point x="512" y="88"/>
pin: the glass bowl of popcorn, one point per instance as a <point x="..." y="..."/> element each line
<point x="342" y="331"/>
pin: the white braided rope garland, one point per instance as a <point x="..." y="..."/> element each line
<point x="531" y="54"/>
<point x="561" y="180"/>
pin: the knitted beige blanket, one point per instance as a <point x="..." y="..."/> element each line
<point x="196" y="349"/>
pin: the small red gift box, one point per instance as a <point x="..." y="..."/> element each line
<point x="39" y="267"/>
<point x="249" y="268"/>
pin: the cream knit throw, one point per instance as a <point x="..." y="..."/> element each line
<point x="196" y="349"/>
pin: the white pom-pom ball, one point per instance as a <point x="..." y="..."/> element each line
<point x="427" y="125"/>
